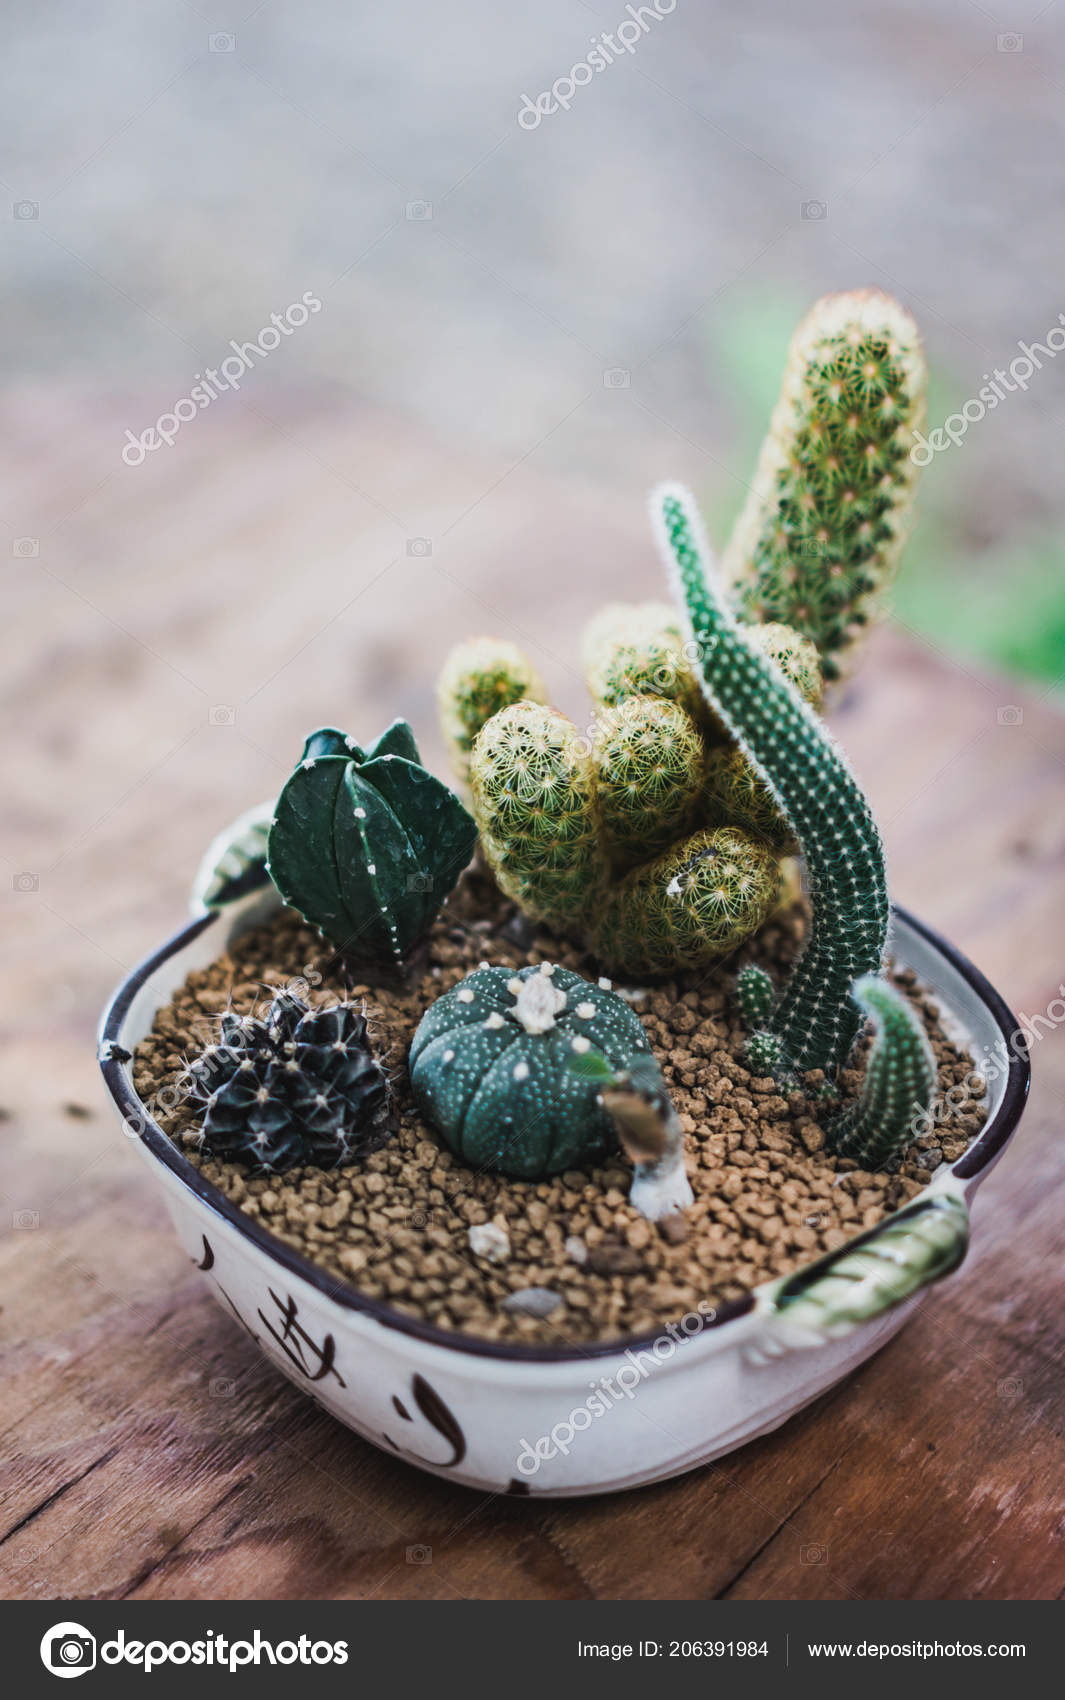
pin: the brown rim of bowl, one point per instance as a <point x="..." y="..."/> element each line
<point x="118" y="1079"/>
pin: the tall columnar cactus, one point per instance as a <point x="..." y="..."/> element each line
<point x="820" y="535"/>
<point x="899" y="1082"/>
<point x="816" y="1019"/>
<point x="480" y="677"/>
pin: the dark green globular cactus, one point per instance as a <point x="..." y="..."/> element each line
<point x="816" y="1018"/>
<point x="490" y="1067"/>
<point x="899" y="1082"/>
<point x="301" y="1087"/>
<point x="367" y="844"/>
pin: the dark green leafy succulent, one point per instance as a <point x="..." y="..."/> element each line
<point x="367" y="844"/>
<point x="302" y="1087"/>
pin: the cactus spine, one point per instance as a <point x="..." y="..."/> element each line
<point x="816" y="1019"/>
<point x="899" y="1081"/>
<point x="820" y="535"/>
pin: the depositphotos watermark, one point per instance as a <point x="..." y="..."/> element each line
<point x="609" y="1390"/>
<point x="997" y="385"/>
<point x="624" y="38"/>
<point x="210" y="384"/>
<point x="69" y="1650"/>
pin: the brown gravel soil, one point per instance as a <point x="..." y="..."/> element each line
<point x="768" y="1197"/>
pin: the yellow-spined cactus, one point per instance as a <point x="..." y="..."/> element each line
<point x="636" y="649"/>
<point x="533" y="788"/>
<point x="480" y="677"/>
<point x="650" y="772"/>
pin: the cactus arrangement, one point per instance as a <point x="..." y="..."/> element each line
<point x="300" y="1087"/>
<point x="819" y="538"/>
<point x="367" y="844"/>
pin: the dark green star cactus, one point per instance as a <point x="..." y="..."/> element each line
<point x="820" y="535"/>
<point x="367" y="844"/>
<point x="899" y="1082"/>
<point x="816" y="1019"/>
<point x="301" y="1087"/>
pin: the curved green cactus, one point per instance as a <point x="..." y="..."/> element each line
<point x="478" y="678"/>
<point x="695" y="903"/>
<point x="532" y="781"/>
<point x="367" y="844"/>
<point x="648" y="756"/>
<point x="816" y="1019"/>
<point x="490" y="1067"/>
<point x="820" y="535"/>
<point x="899" y="1082"/>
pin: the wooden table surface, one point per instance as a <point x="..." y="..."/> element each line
<point x="257" y="574"/>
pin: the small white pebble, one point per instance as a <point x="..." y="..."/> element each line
<point x="547" y="968"/>
<point x="489" y="1241"/>
<point x="586" y="1011"/>
<point x="514" y="986"/>
<point x="580" y="1044"/>
<point x="495" y="1020"/>
<point x="465" y="995"/>
<point x="521" y="1071"/>
<point x="605" y="985"/>
<point x="575" y="1249"/>
<point x="532" y="1301"/>
<point x="484" y="965"/>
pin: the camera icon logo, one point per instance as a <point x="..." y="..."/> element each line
<point x="1010" y="715"/>
<point x="813" y="1555"/>
<point x="25" y="882"/>
<point x="222" y="42"/>
<point x="1011" y="42"/>
<point x="25" y="209"/>
<point x="419" y="1555"/>
<point x="221" y="714"/>
<point x="25" y="548"/>
<point x="417" y="210"/>
<point x="25" y="1220"/>
<point x="814" y="209"/>
<point x="419" y="882"/>
<point x="68" y="1649"/>
<point x="419" y="546"/>
<point x="616" y="378"/>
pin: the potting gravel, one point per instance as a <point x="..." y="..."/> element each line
<point x="768" y="1196"/>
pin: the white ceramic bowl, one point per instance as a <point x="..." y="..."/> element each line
<point x="575" y="1420"/>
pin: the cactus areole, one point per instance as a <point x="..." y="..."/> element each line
<point x="367" y="844"/>
<point x="491" y="1068"/>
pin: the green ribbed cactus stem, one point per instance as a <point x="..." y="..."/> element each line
<point x="697" y="902"/>
<point x="765" y="1055"/>
<point x="533" y="789"/>
<point x="478" y="678"/>
<point x="816" y="1018"/>
<point x="899" y="1083"/>
<point x="637" y="649"/>
<point x="820" y="535"/>
<point x="756" y="995"/>
<point x="649" y="766"/>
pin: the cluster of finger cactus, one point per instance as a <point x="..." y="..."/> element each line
<point x="300" y="1087"/>
<point x="815" y="1020"/>
<point x="820" y="535"/>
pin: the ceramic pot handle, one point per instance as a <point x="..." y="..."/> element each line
<point x="234" y="863"/>
<point x="847" y="1288"/>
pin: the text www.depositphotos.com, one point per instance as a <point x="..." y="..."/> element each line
<point x="210" y="384"/>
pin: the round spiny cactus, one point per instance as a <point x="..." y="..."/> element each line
<point x="820" y="535"/>
<point x="480" y="677"/>
<point x="637" y="649"/>
<point x="686" y="908"/>
<point x="298" y="1088"/>
<point x="533" y="788"/>
<point x="650" y="767"/>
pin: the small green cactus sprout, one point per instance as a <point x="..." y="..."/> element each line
<point x="820" y="535"/>
<point x="480" y="677"/>
<point x="695" y="903"/>
<point x="637" y="650"/>
<point x="367" y="844"/>
<point x="816" y="1018"/>
<point x="532" y="781"/>
<point x="756" y="995"/>
<point x="899" y="1082"/>
<point x="765" y="1055"/>
<point x="300" y="1087"/>
<point x="648" y="757"/>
